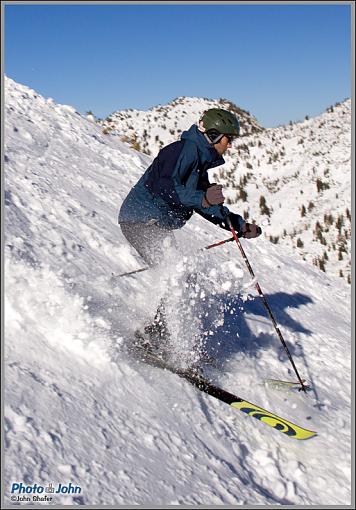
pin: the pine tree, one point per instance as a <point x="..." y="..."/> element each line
<point x="263" y="206"/>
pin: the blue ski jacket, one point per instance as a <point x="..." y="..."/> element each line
<point x="173" y="186"/>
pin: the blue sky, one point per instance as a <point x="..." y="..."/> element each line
<point x="279" y="62"/>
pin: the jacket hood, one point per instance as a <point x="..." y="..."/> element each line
<point x="209" y="156"/>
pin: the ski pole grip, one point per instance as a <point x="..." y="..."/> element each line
<point x="228" y="221"/>
<point x="226" y="217"/>
<point x="231" y="227"/>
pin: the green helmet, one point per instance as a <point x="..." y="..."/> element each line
<point x="219" y="122"/>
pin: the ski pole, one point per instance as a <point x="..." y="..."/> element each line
<point x="228" y="221"/>
<point x="130" y="272"/>
<point x="145" y="268"/>
<point x="219" y="243"/>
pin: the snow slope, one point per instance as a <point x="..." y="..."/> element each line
<point x="79" y="409"/>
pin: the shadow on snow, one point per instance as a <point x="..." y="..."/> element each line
<point x="235" y="334"/>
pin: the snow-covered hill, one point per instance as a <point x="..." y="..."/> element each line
<point x="295" y="179"/>
<point x="149" y="131"/>
<point x="80" y="410"/>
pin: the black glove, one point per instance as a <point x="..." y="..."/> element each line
<point x="251" y="230"/>
<point x="235" y="222"/>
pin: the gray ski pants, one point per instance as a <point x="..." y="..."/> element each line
<point x="149" y="240"/>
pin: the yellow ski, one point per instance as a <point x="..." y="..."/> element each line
<point x="285" y="426"/>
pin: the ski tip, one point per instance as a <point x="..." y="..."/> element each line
<point x="274" y="421"/>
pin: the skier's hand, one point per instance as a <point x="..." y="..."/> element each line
<point x="251" y="230"/>
<point x="213" y="196"/>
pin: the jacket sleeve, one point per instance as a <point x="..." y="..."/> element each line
<point x="217" y="213"/>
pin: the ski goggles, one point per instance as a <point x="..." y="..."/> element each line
<point x="231" y="138"/>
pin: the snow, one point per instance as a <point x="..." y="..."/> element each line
<point x="79" y="409"/>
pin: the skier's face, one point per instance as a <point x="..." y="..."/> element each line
<point x="223" y="145"/>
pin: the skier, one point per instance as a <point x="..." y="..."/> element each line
<point x="175" y="186"/>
